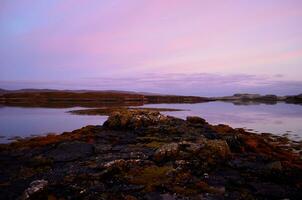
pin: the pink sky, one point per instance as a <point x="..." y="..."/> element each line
<point x="77" y="44"/>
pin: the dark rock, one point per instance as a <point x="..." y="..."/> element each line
<point x="166" y="151"/>
<point x="276" y="165"/>
<point x="34" y="187"/>
<point x="102" y="148"/>
<point x="196" y="120"/>
<point x="70" y="151"/>
<point x="271" y="190"/>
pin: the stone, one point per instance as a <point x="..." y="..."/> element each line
<point x="276" y="165"/>
<point x="34" y="187"/>
<point x="196" y="120"/>
<point x="216" y="149"/>
<point x="69" y="151"/>
<point x="166" y="151"/>
<point x="134" y="119"/>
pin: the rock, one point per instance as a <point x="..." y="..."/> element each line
<point x="34" y="187"/>
<point x="217" y="149"/>
<point x="129" y="197"/>
<point x="69" y="151"/>
<point x="115" y="163"/>
<point x="134" y="119"/>
<point x="271" y="190"/>
<point x="194" y="147"/>
<point x="196" y="120"/>
<point x="166" y="151"/>
<point x="276" y="165"/>
<point x="207" y="150"/>
<point x="102" y="148"/>
<point x="233" y="142"/>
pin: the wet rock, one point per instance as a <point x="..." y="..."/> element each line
<point x="34" y="187"/>
<point x="70" y="151"/>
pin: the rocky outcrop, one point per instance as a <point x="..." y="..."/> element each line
<point x="34" y="187"/>
<point x="146" y="155"/>
<point x="134" y="119"/>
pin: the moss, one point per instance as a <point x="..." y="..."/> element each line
<point x="150" y="139"/>
<point x="154" y="144"/>
<point x="86" y="133"/>
<point x="150" y="177"/>
<point x="185" y="191"/>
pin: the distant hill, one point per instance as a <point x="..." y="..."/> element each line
<point x="31" y="90"/>
<point x="87" y="98"/>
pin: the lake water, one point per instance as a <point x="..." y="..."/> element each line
<point x="279" y="119"/>
<point x="25" y="122"/>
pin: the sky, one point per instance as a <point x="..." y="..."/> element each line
<point x="189" y="47"/>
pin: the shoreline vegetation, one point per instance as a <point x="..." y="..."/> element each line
<point x="142" y="154"/>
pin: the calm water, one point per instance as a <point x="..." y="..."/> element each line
<point x="25" y="122"/>
<point x="278" y="119"/>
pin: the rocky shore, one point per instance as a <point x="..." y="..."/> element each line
<point x="146" y="155"/>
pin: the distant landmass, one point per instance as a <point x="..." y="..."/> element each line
<point x="270" y="98"/>
<point x="88" y="98"/>
<point x="95" y="98"/>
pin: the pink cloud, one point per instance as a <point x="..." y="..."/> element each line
<point x="136" y="37"/>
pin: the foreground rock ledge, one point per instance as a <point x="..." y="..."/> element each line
<point x="146" y="155"/>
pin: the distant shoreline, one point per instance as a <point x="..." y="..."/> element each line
<point x="88" y="98"/>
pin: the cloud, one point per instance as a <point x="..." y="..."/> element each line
<point x="203" y="84"/>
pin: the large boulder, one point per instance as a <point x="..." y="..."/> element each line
<point x="212" y="151"/>
<point x="134" y="119"/>
<point x="194" y="120"/>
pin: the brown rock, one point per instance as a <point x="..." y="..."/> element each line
<point x="196" y="120"/>
<point x="166" y="151"/>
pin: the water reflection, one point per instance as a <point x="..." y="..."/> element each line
<point x="25" y="122"/>
<point x="279" y="118"/>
